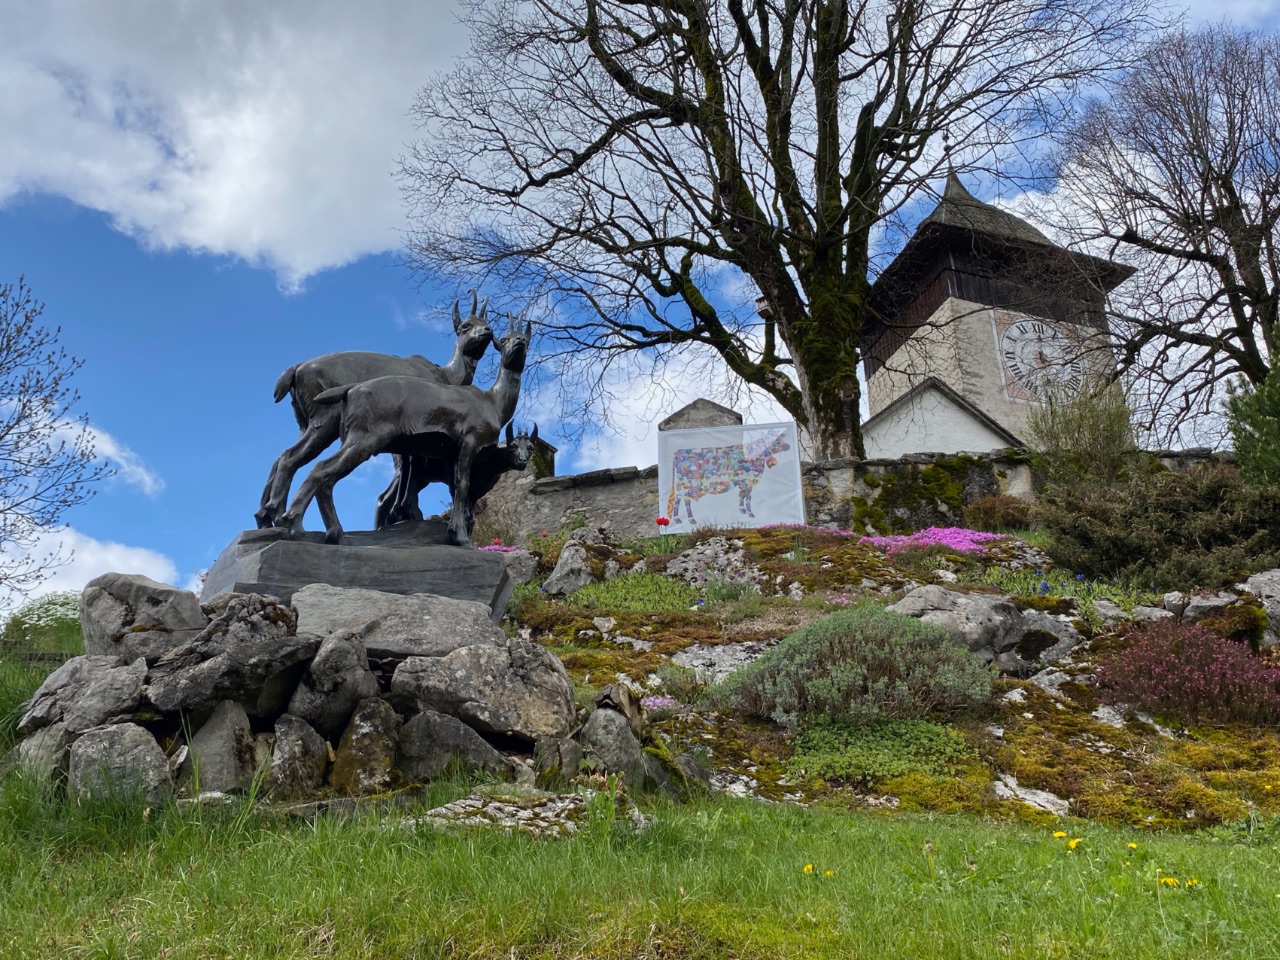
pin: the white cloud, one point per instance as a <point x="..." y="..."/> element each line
<point x="264" y="131"/>
<point x="89" y="558"/>
<point x="129" y="467"/>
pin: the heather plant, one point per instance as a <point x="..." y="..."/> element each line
<point x="1253" y="416"/>
<point x="858" y="666"/>
<point x="1164" y="531"/>
<point x="1184" y="672"/>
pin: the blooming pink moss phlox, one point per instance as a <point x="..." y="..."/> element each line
<point x="953" y="538"/>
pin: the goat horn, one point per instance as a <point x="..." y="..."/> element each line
<point x="472" y="291"/>
<point x="534" y="435"/>
<point x="457" y="319"/>
<point x="484" y="308"/>
<point x="510" y="435"/>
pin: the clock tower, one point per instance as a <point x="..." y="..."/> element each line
<point x="972" y="324"/>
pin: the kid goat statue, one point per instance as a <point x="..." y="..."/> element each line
<point x="304" y="382"/>
<point x="411" y="416"/>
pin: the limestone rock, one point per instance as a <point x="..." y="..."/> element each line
<point x="1202" y="608"/>
<point x="430" y="740"/>
<point x="392" y="626"/>
<point x="260" y="674"/>
<point x="221" y="757"/>
<point x="367" y="753"/>
<point x="118" y="761"/>
<point x="130" y="616"/>
<point x="110" y="695"/>
<point x="1007" y="788"/>
<point x="46" y="752"/>
<point x="239" y="617"/>
<point x="338" y="679"/>
<point x="609" y="746"/>
<point x="557" y="759"/>
<point x="986" y="625"/>
<point x="572" y="572"/>
<point x="61" y="689"/>
<point x="618" y="697"/>
<point x="522" y="566"/>
<point x="1266" y="587"/>
<point x="713" y="663"/>
<point x="992" y="627"/>
<point x="519" y="688"/>
<point x="299" y="760"/>
<point x="717" y="559"/>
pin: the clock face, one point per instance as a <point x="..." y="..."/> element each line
<point x="1036" y="356"/>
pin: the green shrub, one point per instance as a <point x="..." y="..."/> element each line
<point x="636" y="593"/>
<point x="865" y="755"/>
<point x="1162" y="531"/>
<point x="858" y="666"/>
<point x="1082" y="436"/>
<point x="998" y="513"/>
<point x="1253" y="416"/>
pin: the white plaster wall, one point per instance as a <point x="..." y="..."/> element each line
<point x="929" y="423"/>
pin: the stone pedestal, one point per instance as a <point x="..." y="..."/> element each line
<point x="406" y="558"/>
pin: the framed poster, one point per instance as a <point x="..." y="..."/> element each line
<point x="735" y="476"/>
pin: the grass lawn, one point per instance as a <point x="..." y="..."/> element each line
<point x="717" y="879"/>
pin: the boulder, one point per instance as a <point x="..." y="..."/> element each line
<point x="111" y="695"/>
<point x="618" y="697"/>
<point x="986" y="625"/>
<point x="240" y="617"/>
<point x="1266" y="587"/>
<point x="557" y="759"/>
<point x="299" y="760"/>
<point x="129" y="616"/>
<point x="336" y="681"/>
<point x="392" y="626"/>
<point x="45" y="753"/>
<point x="609" y="746"/>
<point x="61" y="689"/>
<point x="221" y="757"/>
<point x="1202" y="608"/>
<point x="119" y="761"/>
<point x="430" y="740"/>
<point x="993" y="628"/>
<point x="518" y="688"/>
<point x="1007" y="788"/>
<point x="572" y="572"/>
<point x="260" y="674"/>
<point x="367" y="753"/>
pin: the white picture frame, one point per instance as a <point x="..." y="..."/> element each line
<point x="743" y="475"/>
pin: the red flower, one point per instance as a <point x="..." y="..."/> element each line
<point x="497" y="541"/>
<point x="662" y="521"/>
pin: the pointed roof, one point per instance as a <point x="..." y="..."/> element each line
<point x="959" y="208"/>
<point x="933" y="383"/>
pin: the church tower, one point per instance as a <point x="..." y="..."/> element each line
<point x="972" y="323"/>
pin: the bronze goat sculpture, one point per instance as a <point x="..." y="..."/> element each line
<point x="319" y="422"/>
<point x="412" y="416"/>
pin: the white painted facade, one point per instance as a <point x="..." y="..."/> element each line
<point x="929" y="421"/>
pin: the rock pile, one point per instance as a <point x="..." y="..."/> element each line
<point x="353" y="691"/>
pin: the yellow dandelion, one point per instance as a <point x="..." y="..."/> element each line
<point x="1074" y="842"/>
<point x="829" y="873"/>
<point x="1169" y="881"/>
<point x="1192" y="882"/>
<point x="1133" y="846"/>
<point x="808" y="868"/>
<point x="1059" y="834"/>
<point x="1128" y="863"/>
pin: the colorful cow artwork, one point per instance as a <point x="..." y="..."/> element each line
<point x="707" y="471"/>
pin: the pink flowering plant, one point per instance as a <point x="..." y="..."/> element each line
<point x="1184" y="672"/>
<point x="958" y="539"/>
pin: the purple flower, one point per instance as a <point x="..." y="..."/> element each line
<point x="953" y="538"/>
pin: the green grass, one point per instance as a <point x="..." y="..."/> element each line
<point x="49" y="625"/>
<point x="636" y="593"/>
<point x="711" y="880"/>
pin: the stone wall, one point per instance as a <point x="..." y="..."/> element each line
<point x="873" y="495"/>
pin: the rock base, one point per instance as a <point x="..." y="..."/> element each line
<point x="407" y="558"/>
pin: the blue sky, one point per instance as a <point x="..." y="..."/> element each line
<point x="202" y="195"/>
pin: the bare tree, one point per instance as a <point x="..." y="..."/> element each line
<point x="47" y="460"/>
<point x="630" y="159"/>
<point x="1178" y="174"/>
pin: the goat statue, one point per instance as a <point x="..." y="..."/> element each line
<point x="304" y="382"/>
<point x="490" y="465"/>
<point x="412" y="416"/>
